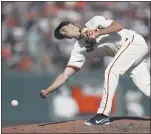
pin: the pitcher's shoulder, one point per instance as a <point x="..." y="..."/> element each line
<point x="95" y="18"/>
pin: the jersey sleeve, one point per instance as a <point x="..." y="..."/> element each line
<point x="76" y="60"/>
<point x="99" y="21"/>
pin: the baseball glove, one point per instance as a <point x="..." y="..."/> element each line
<point x="85" y="34"/>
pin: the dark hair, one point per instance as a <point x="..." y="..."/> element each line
<point x="57" y="33"/>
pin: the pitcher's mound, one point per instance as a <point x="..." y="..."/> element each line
<point x="118" y="125"/>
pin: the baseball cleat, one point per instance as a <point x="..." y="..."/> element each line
<point x="99" y="119"/>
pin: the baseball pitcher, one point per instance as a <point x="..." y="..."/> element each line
<point x="128" y="48"/>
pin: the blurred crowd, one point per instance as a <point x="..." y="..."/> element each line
<point x="28" y="43"/>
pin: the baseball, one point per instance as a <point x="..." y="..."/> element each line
<point x="14" y="103"/>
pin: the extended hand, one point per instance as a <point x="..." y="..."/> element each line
<point x="43" y="94"/>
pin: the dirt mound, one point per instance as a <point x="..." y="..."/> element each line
<point x="118" y="125"/>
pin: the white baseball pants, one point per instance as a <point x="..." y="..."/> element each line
<point x="129" y="58"/>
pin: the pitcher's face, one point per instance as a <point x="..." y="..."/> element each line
<point x="70" y="31"/>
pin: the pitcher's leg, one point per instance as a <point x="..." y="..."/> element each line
<point x="110" y="85"/>
<point x="127" y="57"/>
<point x="141" y="77"/>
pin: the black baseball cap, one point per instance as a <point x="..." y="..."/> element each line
<point x="57" y="33"/>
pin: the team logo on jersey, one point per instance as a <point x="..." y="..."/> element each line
<point x="89" y="48"/>
<point x="99" y="27"/>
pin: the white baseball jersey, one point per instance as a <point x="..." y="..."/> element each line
<point x="107" y="44"/>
